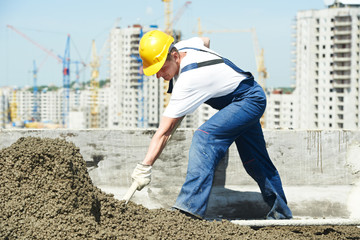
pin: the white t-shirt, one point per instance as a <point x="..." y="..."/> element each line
<point x="196" y="86"/>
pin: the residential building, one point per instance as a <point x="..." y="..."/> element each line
<point x="136" y="100"/>
<point x="327" y="67"/>
<point x="280" y="109"/>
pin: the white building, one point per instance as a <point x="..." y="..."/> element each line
<point x="135" y="98"/>
<point x="50" y="106"/>
<point x="138" y="100"/>
<point x="4" y="106"/>
<point x="103" y="101"/>
<point x="327" y="67"/>
<point x="280" y="109"/>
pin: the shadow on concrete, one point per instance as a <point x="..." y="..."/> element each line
<point x="229" y="204"/>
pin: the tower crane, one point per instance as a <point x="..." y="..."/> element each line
<point x="259" y="54"/>
<point x="168" y="16"/>
<point x="94" y="85"/>
<point x="66" y="84"/>
<point x="169" y="21"/>
<point x="65" y="60"/>
<point x="169" y="24"/>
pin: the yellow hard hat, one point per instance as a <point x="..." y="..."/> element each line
<point x="153" y="49"/>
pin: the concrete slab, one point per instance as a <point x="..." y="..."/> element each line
<point x="320" y="170"/>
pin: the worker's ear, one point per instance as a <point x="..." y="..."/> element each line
<point x="176" y="55"/>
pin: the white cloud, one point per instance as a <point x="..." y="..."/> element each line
<point x="149" y="10"/>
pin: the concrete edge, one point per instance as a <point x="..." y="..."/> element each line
<point x="299" y="222"/>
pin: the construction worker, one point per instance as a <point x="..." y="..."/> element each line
<point x="203" y="76"/>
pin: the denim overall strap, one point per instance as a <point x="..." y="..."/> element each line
<point x="195" y="65"/>
<point x="224" y="60"/>
<point x="219" y="103"/>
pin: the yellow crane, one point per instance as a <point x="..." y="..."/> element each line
<point x="13" y="107"/>
<point x="94" y="86"/>
<point x="168" y="16"/>
<point x="169" y="20"/>
<point x="259" y="54"/>
<point x="169" y="24"/>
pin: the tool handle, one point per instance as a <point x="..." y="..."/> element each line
<point x="130" y="192"/>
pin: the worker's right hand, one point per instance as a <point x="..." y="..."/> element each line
<point x="142" y="175"/>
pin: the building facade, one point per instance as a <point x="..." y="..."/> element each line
<point x="327" y="67"/>
<point x="280" y="109"/>
<point x="135" y="99"/>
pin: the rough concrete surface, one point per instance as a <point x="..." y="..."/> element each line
<point x="319" y="169"/>
<point x="46" y="193"/>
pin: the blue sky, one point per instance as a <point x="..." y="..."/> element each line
<point x="48" y="23"/>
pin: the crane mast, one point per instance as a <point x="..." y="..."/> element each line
<point x="13" y="107"/>
<point x="66" y="84"/>
<point x="94" y="85"/>
<point x="169" y="23"/>
<point x="168" y="16"/>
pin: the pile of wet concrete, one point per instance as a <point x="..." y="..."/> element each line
<point x="46" y="193"/>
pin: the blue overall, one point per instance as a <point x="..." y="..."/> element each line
<point x="236" y="121"/>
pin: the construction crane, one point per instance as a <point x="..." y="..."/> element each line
<point x="94" y="86"/>
<point x="66" y="84"/>
<point x="169" y="24"/>
<point x="65" y="60"/>
<point x="169" y="21"/>
<point x="13" y="107"/>
<point x="168" y="16"/>
<point x="259" y="54"/>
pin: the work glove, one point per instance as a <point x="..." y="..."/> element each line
<point x="141" y="175"/>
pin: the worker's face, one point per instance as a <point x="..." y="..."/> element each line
<point x="170" y="68"/>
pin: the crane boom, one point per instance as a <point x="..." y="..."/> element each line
<point x="35" y="43"/>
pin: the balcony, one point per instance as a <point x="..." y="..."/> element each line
<point x="134" y="51"/>
<point x="341" y="84"/>
<point x="342" y="32"/>
<point x="341" y="68"/>
<point x="342" y="50"/>
<point x="342" y="59"/>
<point x="342" y="40"/>
<point x="343" y="23"/>
<point x="341" y="77"/>
<point x="134" y="64"/>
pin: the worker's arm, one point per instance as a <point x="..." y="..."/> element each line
<point x="166" y="129"/>
<point x="142" y="172"/>
<point x="206" y="41"/>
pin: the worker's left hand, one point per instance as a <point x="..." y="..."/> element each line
<point x="142" y="175"/>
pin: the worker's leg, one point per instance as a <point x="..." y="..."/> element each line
<point x="209" y="145"/>
<point x="252" y="149"/>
